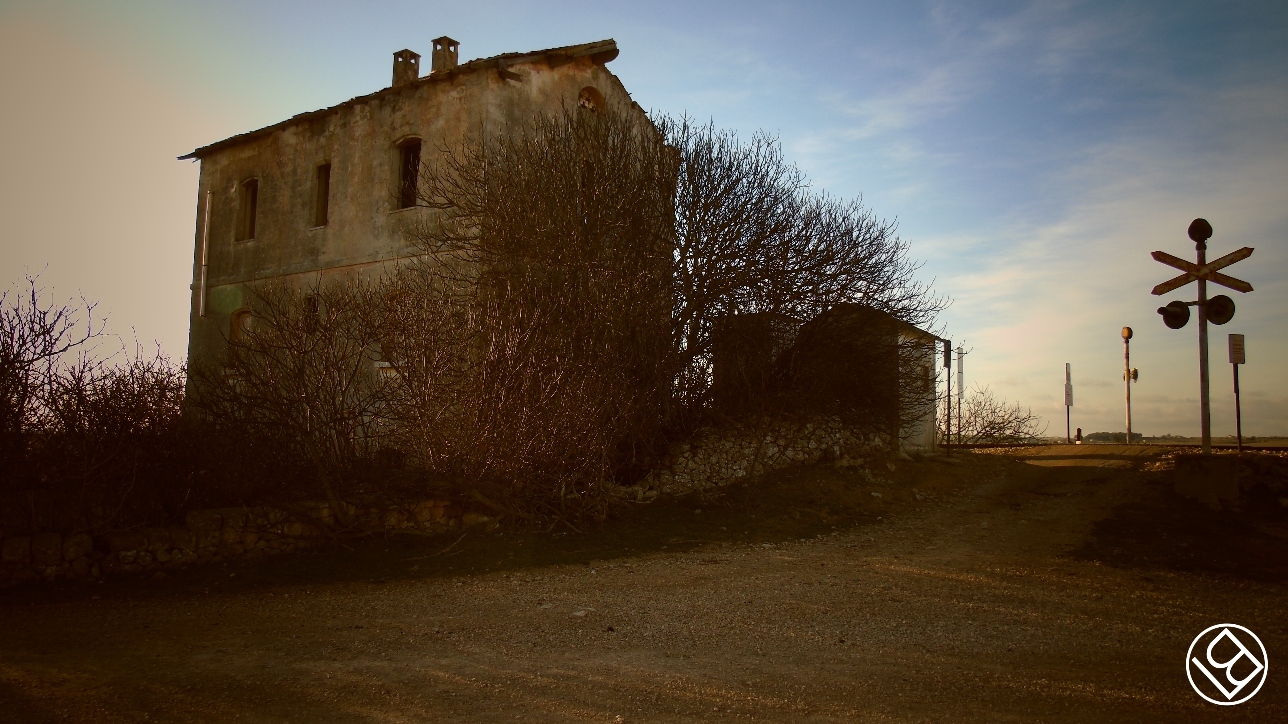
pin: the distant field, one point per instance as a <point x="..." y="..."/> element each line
<point x="1248" y="441"/>
<point x="1223" y="440"/>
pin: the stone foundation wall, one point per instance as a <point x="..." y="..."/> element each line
<point x="208" y="536"/>
<point x="716" y="457"/>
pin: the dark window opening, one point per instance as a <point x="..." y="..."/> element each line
<point x="590" y="99"/>
<point x="248" y="204"/>
<point x="240" y="327"/>
<point x="312" y="309"/>
<point x="409" y="171"/>
<point x="322" y="202"/>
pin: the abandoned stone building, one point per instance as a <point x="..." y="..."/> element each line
<point x="324" y="195"/>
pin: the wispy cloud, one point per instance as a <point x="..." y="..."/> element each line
<point x="1064" y="287"/>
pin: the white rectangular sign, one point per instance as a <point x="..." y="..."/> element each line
<point x="1236" y="350"/>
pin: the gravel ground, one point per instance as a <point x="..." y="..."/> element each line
<point x="1002" y="587"/>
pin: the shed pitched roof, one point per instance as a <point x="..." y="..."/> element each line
<point x="601" y="52"/>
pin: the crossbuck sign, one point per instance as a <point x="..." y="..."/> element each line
<point x="1208" y="271"/>
<point x="1218" y="310"/>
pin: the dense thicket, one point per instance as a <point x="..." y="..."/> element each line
<point x="87" y="441"/>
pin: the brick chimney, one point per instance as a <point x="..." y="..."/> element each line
<point x="407" y="67"/>
<point x="445" y="56"/>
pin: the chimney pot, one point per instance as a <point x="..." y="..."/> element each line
<point x="445" y="54"/>
<point x="406" y="67"/>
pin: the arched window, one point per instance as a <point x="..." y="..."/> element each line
<point x="240" y="326"/>
<point x="591" y="99"/>
<point x="408" y="172"/>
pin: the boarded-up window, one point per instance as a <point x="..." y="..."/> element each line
<point x="322" y="199"/>
<point x="408" y="172"/>
<point x="247" y="207"/>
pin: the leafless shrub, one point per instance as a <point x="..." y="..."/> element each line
<point x="86" y="442"/>
<point x="111" y="451"/>
<point x="551" y="246"/>
<point x="298" y="393"/>
<point x="35" y="334"/>
<point x="987" y="419"/>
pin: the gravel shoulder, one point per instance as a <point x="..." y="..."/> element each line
<point x="1050" y="584"/>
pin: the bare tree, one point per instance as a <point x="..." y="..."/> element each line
<point x="753" y="239"/>
<point x="35" y="334"/>
<point x="551" y="246"/>
<point x="986" y="419"/>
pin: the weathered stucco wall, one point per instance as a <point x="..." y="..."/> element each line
<point x="360" y="140"/>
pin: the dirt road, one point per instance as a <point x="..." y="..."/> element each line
<point x="1064" y="584"/>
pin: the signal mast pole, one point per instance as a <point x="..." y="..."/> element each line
<point x="1205" y="405"/>
<point x="1237" y="358"/>
<point x="1218" y="309"/>
<point x="1127" y="376"/>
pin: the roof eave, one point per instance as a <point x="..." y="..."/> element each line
<point x="599" y="52"/>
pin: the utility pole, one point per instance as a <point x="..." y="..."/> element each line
<point x="961" y="389"/>
<point x="948" y="407"/>
<point x="1068" y="402"/>
<point x="1129" y="376"/>
<point x="1237" y="358"/>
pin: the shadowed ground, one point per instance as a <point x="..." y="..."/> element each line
<point x="1053" y="584"/>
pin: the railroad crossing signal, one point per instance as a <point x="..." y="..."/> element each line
<point x="1218" y="309"/>
<point x="1175" y="314"/>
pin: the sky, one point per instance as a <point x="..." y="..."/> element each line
<point x="1033" y="154"/>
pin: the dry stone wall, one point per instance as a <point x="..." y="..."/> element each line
<point x="208" y="536"/>
<point x="716" y="457"/>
